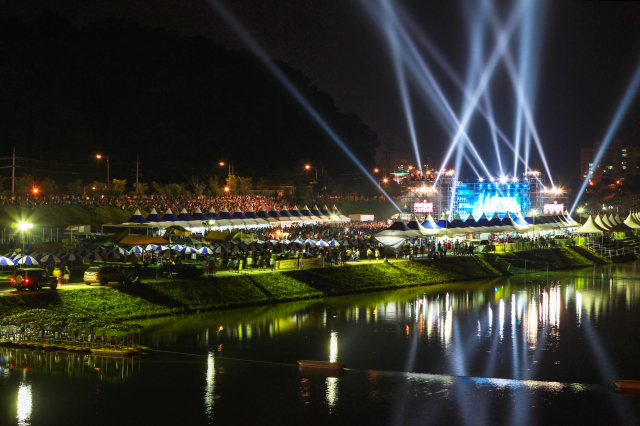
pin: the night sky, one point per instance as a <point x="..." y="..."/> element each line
<point x="588" y="53"/>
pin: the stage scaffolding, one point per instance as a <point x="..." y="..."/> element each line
<point x="421" y="195"/>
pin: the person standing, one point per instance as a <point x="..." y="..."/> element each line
<point x="369" y="254"/>
<point x="66" y="275"/>
<point x="377" y="255"/>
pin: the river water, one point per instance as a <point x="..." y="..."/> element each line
<point x="534" y="350"/>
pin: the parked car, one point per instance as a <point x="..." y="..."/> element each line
<point x="33" y="278"/>
<point x="102" y="275"/>
<point x="181" y="271"/>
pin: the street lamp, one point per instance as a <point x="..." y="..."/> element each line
<point x="534" y="212"/>
<point x="99" y="157"/>
<point x="311" y="167"/>
<point x="222" y="164"/>
<point x="24" y="226"/>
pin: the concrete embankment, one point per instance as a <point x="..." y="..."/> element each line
<point x="177" y="297"/>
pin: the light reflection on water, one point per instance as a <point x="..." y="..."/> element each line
<point x="24" y="404"/>
<point x="424" y="352"/>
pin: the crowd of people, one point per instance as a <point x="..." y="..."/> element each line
<point x="159" y="202"/>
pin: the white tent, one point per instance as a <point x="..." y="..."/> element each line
<point x="589" y="227"/>
<point x="395" y="235"/>
<point x="631" y="222"/>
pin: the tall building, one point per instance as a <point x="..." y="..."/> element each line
<point x="617" y="163"/>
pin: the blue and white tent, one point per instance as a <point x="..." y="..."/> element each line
<point x="26" y="260"/>
<point x="262" y="214"/>
<point x="416" y="226"/>
<point x="430" y="225"/>
<point x="5" y="261"/>
<point x="169" y="219"/>
<point x="342" y="217"/>
<point x="395" y="235"/>
<point x="199" y="216"/>
<point x="296" y="214"/>
<point x="137" y="250"/>
<point x="274" y="214"/>
<point x="212" y="215"/>
<point x="137" y="218"/>
<point x="259" y="221"/>
<point x="154" y="217"/>
<point x="186" y="220"/>
<point x="317" y="213"/>
<point x="306" y="212"/>
<point x="206" y="250"/>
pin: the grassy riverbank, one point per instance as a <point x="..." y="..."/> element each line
<point x="176" y="297"/>
<point x="61" y="216"/>
<point x="46" y="216"/>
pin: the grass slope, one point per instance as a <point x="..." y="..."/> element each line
<point x="61" y="216"/>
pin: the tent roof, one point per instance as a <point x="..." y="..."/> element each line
<point x="137" y="218"/>
<point x="589" y="228"/>
<point x="198" y="215"/>
<point x="138" y="241"/>
<point x="169" y="216"/>
<point x="185" y="217"/>
<point x="154" y="216"/>
<point x="224" y="214"/>
<point x="238" y="214"/>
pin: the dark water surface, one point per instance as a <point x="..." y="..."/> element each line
<point x="532" y="350"/>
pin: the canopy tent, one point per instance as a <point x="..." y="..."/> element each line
<point x="250" y="214"/>
<point x="168" y="219"/>
<point x="307" y="213"/>
<point x="340" y="215"/>
<point x="274" y="214"/>
<point x="431" y="225"/>
<point x="470" y="226"/>
<point x="138" y="241"/>
<point x="416" y="226"/>
<point x="137" y="218"/>
<point x="605" y="226"/>
<point x="395" y="235"/>
<point x="298" y="215"/>
<point x="154" y="217"/>
<point x="216" y="235"/>
<point x="328" y="213"/>
<point x="262" y="214"/>
<point x="520" y="223"/>
<point x="631" y="222"/>
<point x="177" y="231"/>
<point x="589" y="227"/>
<point x="227" y="219"/>
<point x="199" y="216"/>
<point x="212" y="215"/>
<point x="186" y="219"/>
<point x="317" y="213"/>
<point x="285" y="214"/>
<point x="508" y="221"/>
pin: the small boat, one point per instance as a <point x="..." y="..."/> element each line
<point x="627" y="386"/>
<point x="328" y="365"/>
<point x="111" y="352"/>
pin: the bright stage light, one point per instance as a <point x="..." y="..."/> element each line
<point x="481" y="179"/>
<point x="248" y="40"/>
<point x="504" y="179"/>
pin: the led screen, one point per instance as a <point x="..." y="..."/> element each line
<point x="490" y="205"/>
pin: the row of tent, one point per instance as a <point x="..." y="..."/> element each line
<point x="457" y="226"/>
<point x="238" y="218"/>
<point x="120" y="253"/>
<point x="603" y="224"/>
<point x="398" y="232"/>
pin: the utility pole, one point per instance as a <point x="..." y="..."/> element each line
<point x="137" y="172"/>
<point x="13" y="173"/>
